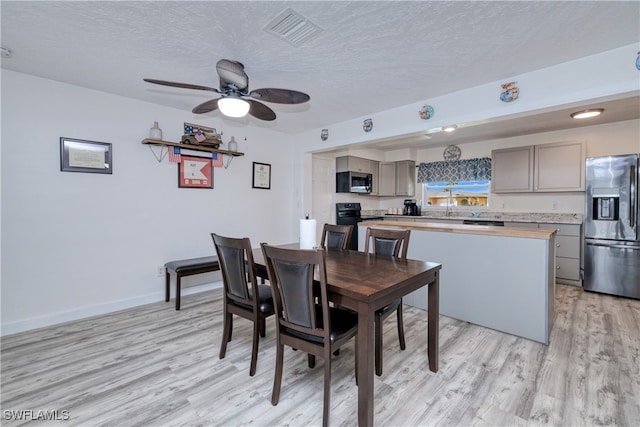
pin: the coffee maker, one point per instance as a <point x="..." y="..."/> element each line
<point x="410" y="207"/>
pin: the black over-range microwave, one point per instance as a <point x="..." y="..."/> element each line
<point x="353" y="182"/>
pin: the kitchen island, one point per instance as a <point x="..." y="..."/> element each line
<point x="498" y="277"/>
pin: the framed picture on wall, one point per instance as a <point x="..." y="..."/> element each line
<point x="262" y="175"/>
<point x="195" y="172"/>
<point x="77" y="155"/>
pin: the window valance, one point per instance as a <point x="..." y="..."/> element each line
<point x="455" y="170"/>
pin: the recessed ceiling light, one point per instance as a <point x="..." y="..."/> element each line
<point x="449" y="128"/>
<point x="585" y="114"/>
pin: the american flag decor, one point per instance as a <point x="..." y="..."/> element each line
<point x="174" y="154"/>
<point x="216" y="160"/>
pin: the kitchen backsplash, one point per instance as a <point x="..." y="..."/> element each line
<point x="559" y="218"/>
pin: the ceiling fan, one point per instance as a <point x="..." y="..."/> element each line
<point x="236" y="100"/>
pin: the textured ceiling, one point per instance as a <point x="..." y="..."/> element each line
<point x="371" y="56"/>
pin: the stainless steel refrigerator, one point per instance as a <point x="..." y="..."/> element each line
<point x="611" y="232"/>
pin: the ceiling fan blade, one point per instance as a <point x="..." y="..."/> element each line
<point x="261" y="111"/>
<point x="181" y="85"/>
<point x="280" y="96"/>
<point x="206" y="107"/>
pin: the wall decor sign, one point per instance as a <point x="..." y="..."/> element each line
<point x="77" y="155"/>
<point x="367" y="125"/>
<point x="195" y="172"/>
<point x="509" y="92"/>
<point x="261" y="176"/>
<point x="324" y="134"/>
<point x="426" y="112"/>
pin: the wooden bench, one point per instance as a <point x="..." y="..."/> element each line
<point x="187" y="267"/>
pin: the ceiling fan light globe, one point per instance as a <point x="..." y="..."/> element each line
<point x="233" y="107"/>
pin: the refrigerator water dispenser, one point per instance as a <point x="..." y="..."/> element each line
<point x="606" y="204"/>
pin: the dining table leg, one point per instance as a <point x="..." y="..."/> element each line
<point x="365" y="364"/>
<point x="433" y="304"/>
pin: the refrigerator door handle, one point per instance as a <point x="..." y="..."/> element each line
<point x="613" y="245"/>
<point x="633" y="190"/>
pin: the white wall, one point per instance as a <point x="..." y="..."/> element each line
<point x="78" y="244"/>
<point x="608" y="75"/>
<point x="605" y="76"/>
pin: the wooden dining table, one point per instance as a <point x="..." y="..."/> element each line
<point x="365" y="283"/>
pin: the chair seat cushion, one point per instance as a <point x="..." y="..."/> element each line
<point x="265" y="299"/>
<point x="343" y="322"/>
<point x="193" y="264"/>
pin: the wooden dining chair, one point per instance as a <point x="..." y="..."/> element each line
<point x="336" y="236"/>
<point x="305" y="321"/>
<point x="242" y="294"/>
<point x="392" y="243"/>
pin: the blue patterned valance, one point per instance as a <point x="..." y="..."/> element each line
<point x="455" y="170"/>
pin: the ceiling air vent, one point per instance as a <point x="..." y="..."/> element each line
<point x="292" y="27"/>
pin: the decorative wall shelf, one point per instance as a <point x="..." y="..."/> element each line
<point x="150" y="141"/>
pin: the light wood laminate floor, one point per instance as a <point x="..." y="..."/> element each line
<point x="154" y="366"/>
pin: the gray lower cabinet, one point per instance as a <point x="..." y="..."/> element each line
<point x="568" y="252"/>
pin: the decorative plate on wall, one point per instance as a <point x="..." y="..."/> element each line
<point x="367" y="125"/>
<point x="426" y="112"/>
<point x="509" y="92"/>
<point x="452" y="152"/>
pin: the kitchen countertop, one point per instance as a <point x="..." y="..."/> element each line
<point x="540" y="218"/>
<point x="488" y="230"/>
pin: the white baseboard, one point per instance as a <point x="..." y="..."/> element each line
<point x="96" y="310"/>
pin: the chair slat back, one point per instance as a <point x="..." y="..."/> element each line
<point x="238" y="269"/>
<point x="387" y="242"/>
<point x="293" y="274"/>
<point x="336" y="236"/>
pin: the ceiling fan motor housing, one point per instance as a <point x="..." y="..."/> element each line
<point x="232" y="75"/>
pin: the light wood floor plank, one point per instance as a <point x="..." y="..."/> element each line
<point x="154" y="366"/>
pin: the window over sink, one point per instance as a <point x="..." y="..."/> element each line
<point x="456" y="184"/>
<point x="456" y="195"/>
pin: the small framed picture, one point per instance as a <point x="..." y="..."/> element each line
<point x="195" y="172"/>
<point x="77" y="155"/>
<point x="262" y="175"/>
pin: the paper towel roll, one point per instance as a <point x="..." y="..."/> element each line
<point x="307" y="233"/>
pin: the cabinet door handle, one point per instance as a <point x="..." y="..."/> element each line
<point x="557" y="245"/>
<point x="557" y="267"/>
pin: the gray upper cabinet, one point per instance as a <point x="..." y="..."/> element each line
<point x="560" y="167"/>
<point x="397" y="178"/>
<point x="353" y="164"/>
<point x="539" y="168"/>
<point x="387" y="179"/>
<point x="512" y="170"/>
<point x="406" y="178"/>
<point x="375" y="178"/>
